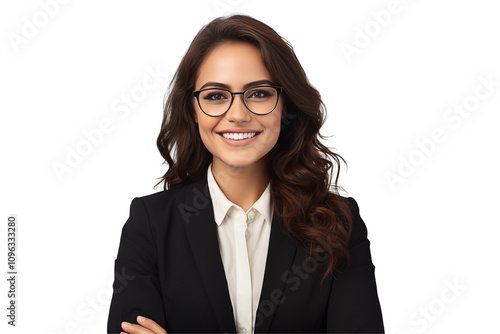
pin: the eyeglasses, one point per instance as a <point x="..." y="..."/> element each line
<point x="260" y="100"/>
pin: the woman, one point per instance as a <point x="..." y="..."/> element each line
<point x="250" y="233"/>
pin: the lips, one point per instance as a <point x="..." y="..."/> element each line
<point x="239" y="138"/>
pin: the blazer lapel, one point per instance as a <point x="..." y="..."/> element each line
<point x="280" y="255"/>
<point x="201" y="230"/>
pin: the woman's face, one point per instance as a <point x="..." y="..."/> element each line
<point x="237" y="66"/>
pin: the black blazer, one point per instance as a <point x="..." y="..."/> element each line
<point x="169" y="269"/>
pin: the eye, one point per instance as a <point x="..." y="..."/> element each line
<point x="214" y="96"/>
<point x="259" y="94"/>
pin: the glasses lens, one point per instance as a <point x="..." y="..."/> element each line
<point x="215" y="101"/>
<point x="261" y="100"/>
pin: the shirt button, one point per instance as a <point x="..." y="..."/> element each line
<point x="251" y="215"/>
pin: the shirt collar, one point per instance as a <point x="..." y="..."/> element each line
<point x="222" y="204"/>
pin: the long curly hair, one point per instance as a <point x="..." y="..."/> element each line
<point x="303" y="171"/>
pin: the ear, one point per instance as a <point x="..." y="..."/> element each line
<point x="195" y="117"/>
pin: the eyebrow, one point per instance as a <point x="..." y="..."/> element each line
<point x="248" y="85"/>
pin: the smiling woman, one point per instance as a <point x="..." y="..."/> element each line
<point x="250" y="233"/>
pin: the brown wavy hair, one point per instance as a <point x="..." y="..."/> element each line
<point x="304" y="193"/>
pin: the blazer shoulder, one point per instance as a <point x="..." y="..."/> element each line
<point x="165" y="199"/>
<point x="358" y="225"/>
<point x="150" y="214"/>
<point x="159" y="198"/>
<point x="359" y="243"/>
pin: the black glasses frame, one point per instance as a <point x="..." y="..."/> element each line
<point x="196" y="94"/>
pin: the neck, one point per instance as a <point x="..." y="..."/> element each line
<point x="242" y="185"/>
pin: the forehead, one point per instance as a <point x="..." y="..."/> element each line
<point x="233" y="64"/>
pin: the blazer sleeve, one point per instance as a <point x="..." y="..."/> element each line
<point x="354" y="305"/>
<point x="136" y="286"/>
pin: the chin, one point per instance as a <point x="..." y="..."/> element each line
<point x="233" y="161"/>
<point x="238" y="163"/>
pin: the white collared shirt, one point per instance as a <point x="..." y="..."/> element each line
<point x="244" y="274"/>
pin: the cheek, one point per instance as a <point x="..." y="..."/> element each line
<point x="206" y="126"/>
<point x="275" y="125"/>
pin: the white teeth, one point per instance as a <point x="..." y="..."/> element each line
<point x="239" y="136"/>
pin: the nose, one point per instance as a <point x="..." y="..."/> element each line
<point x="238" y="112"/>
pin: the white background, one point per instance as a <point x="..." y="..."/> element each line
<point x="436" y="226"/>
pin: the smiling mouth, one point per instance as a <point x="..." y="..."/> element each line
<point x="239" y="136"/>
